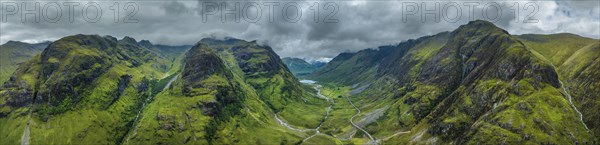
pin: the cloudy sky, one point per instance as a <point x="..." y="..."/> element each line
<point x="314" y="30"/>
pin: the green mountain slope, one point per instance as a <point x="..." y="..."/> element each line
<point x="13" y="53"/>
<point x="87" y="88"/>
<point x="81" y="89"/>
<point x="351" y="68"/>
<point x="228" y="92"/>
<point x="475" y="85"/>
<point x="580" y="73"/>
<point x="300" y="67"/>
<point x="575" y="58"/>
<point x="557" y="48"/>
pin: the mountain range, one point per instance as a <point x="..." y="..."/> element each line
<point x="300" y="67"/>
<point x="477" y="84"/>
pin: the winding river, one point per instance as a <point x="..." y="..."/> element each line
<point x="320" y="96"/>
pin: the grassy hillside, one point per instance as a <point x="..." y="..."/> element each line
<point x="13" y="53"/>
<point x="352" y="68"/>
<point x="557" y="48"/>
<point x="575" y="58"/>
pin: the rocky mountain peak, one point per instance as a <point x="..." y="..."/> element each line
<point x="145" y="43"/>
<point x="128" y="39"/>
<point x="478" y="27"/>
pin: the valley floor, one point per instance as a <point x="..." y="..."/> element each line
<point x="343" y="122"/>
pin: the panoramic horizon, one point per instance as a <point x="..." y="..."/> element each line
<point x="299" y="72"/>
<point x="301" y="31"/>
<point x="320" y="59"/>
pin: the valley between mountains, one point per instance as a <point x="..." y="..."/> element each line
<point x="477" y="84"/>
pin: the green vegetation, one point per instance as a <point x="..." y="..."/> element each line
<point x="474" y="85"/>
<point x="555" y="47"/>
<point x="576" y="60"/>
<point x="235" y="101"/>
<point x="89" y="90"/>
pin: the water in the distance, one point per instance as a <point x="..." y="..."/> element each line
<point x="308" y="81"/>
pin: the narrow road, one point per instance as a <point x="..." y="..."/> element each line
<point x="395" y="134"/>
<point x="25" y="137"/>
<point x="26" y="132"/>
<point x="353" y="124"/>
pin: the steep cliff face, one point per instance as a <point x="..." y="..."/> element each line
<point x="556" y="48"/>
<point x="476" y="84"/>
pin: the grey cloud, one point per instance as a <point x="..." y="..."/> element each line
<point x="174" y="8"/>
<point x="321" y="30"/>
<point x="362" y="24"/>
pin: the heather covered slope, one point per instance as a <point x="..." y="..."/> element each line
<point x="477" y="84"/>
<point x="13" y="53"/>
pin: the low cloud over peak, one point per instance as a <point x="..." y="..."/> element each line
<point x="314" y="30"/>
